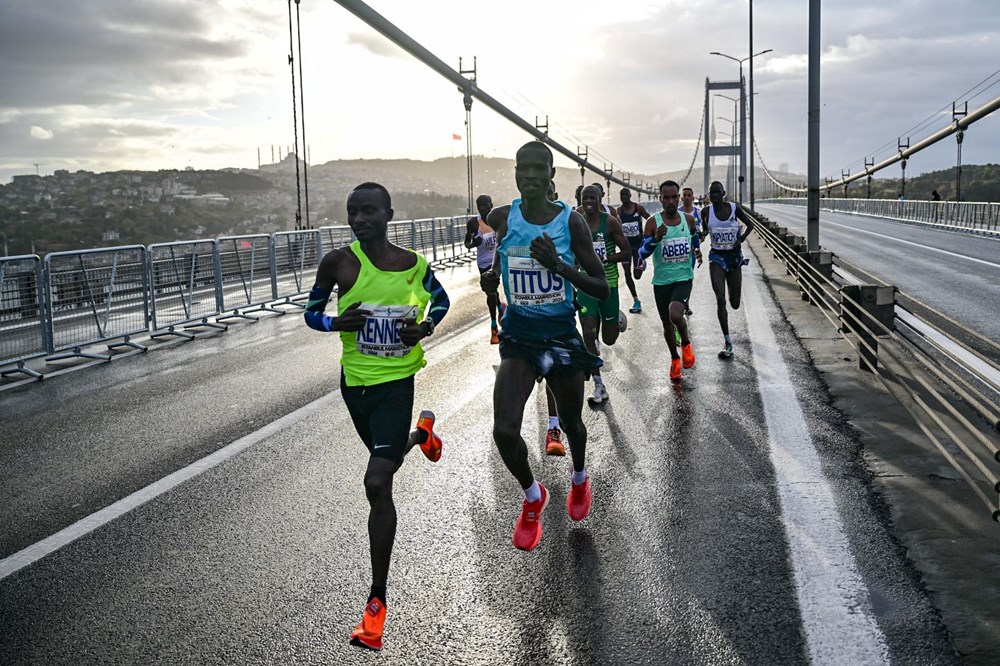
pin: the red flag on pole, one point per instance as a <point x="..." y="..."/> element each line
<point x="456" y="137"/>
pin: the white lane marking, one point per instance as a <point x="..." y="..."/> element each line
<point x="84" y="526"/>
<point x="833" y="599"/>
<point x="920" y="245"/>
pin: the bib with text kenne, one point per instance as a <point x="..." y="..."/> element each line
<point x="380" y="334"/>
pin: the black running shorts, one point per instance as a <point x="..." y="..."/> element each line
<point x="668" y="293"/>
<point x="382" y="414"/>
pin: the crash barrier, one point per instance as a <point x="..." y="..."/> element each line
<point x="183" y="287"/>
<point x="96" y="296"/>
<point x="976" y="217"/>
<point x="72" y="300"/>
<point x="946" y="376"/>
<point x="23" y="333"/>
<point x="295" y="257"/>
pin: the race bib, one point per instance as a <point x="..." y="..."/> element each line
<point x="631" y="228"/>
<point x="489" y="242"/>
<point x="600" y="249"/>
<point x="380" y="334"/>
<point x="724" y="240"/>
<point x="531" y="283"/>
<point x="676" y="250"/>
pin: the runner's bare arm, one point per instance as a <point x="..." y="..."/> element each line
<point x="624" y="254"/>
<point x="643" y="213"/>
<point x="331" y="271"/>
<point x="497" y="221"/>
<point x="742" y="216"/>
<point x="471" y="239"/>
<point x="592" y="282"/>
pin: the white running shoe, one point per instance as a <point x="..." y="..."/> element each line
<point x="600" y="395"/>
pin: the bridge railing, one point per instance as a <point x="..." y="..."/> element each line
<point x="945" y="376"/>
<point x="106" y="296"/>
<point x="972" y="216"/>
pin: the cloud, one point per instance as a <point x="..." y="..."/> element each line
<point x="376" y="44"/>
<point x="40" y="133"/>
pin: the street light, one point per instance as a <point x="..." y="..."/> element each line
<point x="740" y="61"/>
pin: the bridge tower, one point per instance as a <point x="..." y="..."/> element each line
<point x="738" y="147"/>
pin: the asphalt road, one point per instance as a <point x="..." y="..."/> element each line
<point x="700" y="547"/>
<point x="955" y="273"/>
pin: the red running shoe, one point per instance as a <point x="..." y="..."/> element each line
<point x="368" y="633"/>
<point x="528" y="529"/>
<point x="553" y="443"/>
<point x="687" y="353"/>
<point x="432" y="445"/>
<point x="675" y="370"/>
<point x="578" y="501"/>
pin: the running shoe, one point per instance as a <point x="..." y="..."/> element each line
<point x="622" y="322"/>
<point x="687" y="355"/>
<point x="727" y="351"/>
<point x="687" y="310"/>
<point x="636" y="307"/>
<point x="578" y="500"/>
<point x="675" y="370"/>
<point x="494" y="336"/>
<point x="432" y="445"/>
<point x="528" y="529"/>
<point x="600" y="395"/>
<point x="368" y="633"/>
<point x="553" y="443"/>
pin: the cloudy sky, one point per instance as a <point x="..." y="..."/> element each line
<point x="104" y="85"/>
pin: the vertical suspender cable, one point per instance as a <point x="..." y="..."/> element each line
<point x="302" y="113"/>
<point x="295" y="120"/>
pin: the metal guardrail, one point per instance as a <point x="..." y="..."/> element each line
<point x="936" y="377"/>
<point x="23" y="330"/>
<point x="977" y="217"/>
<point x="71" y="300"/>
<point x="96" y="296"/>
<point x="183" y="286"/>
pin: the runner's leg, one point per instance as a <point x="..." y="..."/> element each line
<point x="718" y="276"/>
<point x="568" y="395"/>
<point x="514" y="382"/>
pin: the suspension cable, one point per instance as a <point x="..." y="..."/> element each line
<point x="701" y="130"/>
<point x="295" y="120"/>
<point x="302" y="109"/>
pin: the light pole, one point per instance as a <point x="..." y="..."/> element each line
<point x="743" y="147"/>
<point x="730" y="168"/>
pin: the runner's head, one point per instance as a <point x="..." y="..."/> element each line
<point x="551" y="193"/>
<point x="533" y="170"/>
<point x="716" y="192"/>
<point x="687" y="197"/>
<point x="369" y="211"/>
<point x="484" y="205"/>
<point x="590" y="199"/>
<point x="626" y="195"/>
<point x="669" y="197"/>
<point x="600" y="188"/>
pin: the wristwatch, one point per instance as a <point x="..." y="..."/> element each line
<point x="557" y="268"/>
<point x="430" y="326"/>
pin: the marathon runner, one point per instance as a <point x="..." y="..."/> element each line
<point x="728" y="225"/>
<point x="687" y="207"/>
<point x="384" y="291"/>
<point x="669" y="238"/>
<point x="479" y="235"/>
<point x="632" y="216"/>
<point x="538" y="243"/>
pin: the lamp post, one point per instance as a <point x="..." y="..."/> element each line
<point x="730" y="168"/>
<point x="743" y="147"/>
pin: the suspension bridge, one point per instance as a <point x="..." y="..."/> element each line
<point x="182" y="483"/>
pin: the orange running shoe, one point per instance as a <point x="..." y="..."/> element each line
<point x="687" y="353"/>
<point x="528" y="529"/>
<point x="494" y="336"/>
<point x="432" y="445"/>
<point x="675" y="370"/>
<point x="553" y="443"/>
<point x="578" y="501"/>
<point x="368" y="633"/>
